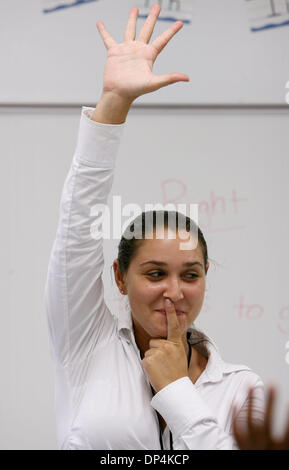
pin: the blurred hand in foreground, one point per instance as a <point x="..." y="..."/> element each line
<point x="258" y="436"/>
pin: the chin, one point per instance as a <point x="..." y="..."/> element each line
<point x="158" y="331"/>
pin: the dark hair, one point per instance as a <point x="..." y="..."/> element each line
<point x="147" y="223"/>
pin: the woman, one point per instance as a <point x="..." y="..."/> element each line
<point x="144" y="378"/>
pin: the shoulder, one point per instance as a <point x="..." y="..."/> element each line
<point x="217" y="369"/>
<point x="239" y="379"/>
<point x="243" y="373"/>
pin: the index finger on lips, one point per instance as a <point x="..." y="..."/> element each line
<point x="174" y="332"/>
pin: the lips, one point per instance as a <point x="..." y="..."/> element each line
<point x="179" y="312"/>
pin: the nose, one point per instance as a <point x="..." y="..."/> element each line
<point x="173" y="290"/>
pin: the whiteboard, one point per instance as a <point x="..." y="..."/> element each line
<point x="53" y="55"/>
<point x="233" y="164"/>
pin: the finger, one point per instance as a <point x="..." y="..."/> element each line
<point x="251" y="427"/>
<point x="147" y="29"/>
<point x="149" y="352"/>
<point x="160" y="42"/>
<point x="174" y="331"/>
<point x="167" y="79"/>
<point x="130" y="31"/>
<point x="239" y="436"/>
<point x="156" y="343"/>
<point x="107" y="38"/>
<point x="285" y="440"/>
<point x="268" y="412"/>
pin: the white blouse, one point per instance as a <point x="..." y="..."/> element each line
<point x="103" y="398"/>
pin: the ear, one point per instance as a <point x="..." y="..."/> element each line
<point x="207" y="266"/>
<point x="119" y="277"/>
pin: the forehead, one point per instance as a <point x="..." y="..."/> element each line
<point x="169" y="250"/>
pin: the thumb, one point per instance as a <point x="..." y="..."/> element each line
<point x="168" y="79"/>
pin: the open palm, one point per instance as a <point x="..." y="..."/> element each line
<point x="259" y="436"/>
<point x="128" y="68"/>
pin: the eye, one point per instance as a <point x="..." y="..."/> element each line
<point x="156" y="272"/>
<point x="194" y="275"/>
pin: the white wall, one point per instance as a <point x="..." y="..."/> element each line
<point x="45" y="58"/>
<point x="207" y="154"/>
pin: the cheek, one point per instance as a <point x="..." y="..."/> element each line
<point x="142" y="290"/>
<point x="145" y="285"/>
<point x="196" y="291"/>
<point x="200" y="286"/>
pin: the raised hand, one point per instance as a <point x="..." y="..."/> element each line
<point x="166" y="360"/>
<point x="258" y="436"/>
<point x="128" y="68"/>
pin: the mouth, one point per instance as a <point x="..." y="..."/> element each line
<point x="163" y="312"/>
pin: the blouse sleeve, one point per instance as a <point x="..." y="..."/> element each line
<point x="192" y="423"/>
<point x="77" y="316"/>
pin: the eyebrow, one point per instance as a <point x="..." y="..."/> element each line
<point x="161" y="263"/>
